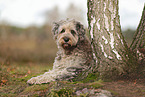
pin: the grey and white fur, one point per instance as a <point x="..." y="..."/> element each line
<point x="74" y="53"/>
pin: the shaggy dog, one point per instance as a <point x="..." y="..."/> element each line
<point x="74" y="53"/>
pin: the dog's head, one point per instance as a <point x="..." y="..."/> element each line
<point x="68" y="33"/>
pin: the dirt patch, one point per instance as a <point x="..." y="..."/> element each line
<point x="126" y="88"/>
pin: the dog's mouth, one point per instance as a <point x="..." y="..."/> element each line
<point x="66" y="46"/>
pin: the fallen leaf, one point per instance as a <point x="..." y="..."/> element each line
<point x="29" y="72"/>
<point x="4" y="81"/>
<point x="135" y="82"/>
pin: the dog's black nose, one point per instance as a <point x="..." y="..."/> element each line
<point x="66" y="39"/>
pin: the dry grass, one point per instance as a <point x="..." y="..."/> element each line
<point x="27" y="45"/>
<point x="27" y="51"/>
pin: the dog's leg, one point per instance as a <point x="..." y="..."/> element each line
<point x="45" y="78"/>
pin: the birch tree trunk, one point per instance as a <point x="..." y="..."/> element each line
<point x="110" y="51"/>
<point x="138" y="43"/>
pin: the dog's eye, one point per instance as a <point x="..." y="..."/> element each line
<point x="73" y="32"/>
<point x="62" y="31"/>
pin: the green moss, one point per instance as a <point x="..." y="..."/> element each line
<point x="76" y="82"/>
<point x="97" y="84"/>
<point x="25" y="78"/>
<point x="83" y="95"/>
<point x="68" y="89"/>
<point x="35" y="88"/>
<point x="91" y="77"/>
<point x="41" y="87"/>
<point x="7" y="95"/>
<point x="113" y="92"/>
<point x="35" y="95"/>
<point x="64" y="92"/>
<point x="142" y="90"/>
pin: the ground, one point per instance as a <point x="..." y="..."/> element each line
<point x="13" y="78"/>
<point x="126" y="88"/>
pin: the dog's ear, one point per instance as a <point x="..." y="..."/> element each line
<point x="55" y="28"/>
<point x="80" y="29"/>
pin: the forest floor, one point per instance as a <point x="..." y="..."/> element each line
<point x="126" y="88"/>
<point x="13" y="78"/>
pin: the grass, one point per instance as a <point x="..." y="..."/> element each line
<point x="27" y="50"/>
<point x="113" y="92"/>
<point x="13" y="78"/>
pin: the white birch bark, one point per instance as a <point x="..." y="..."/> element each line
<point x="110" y="50"/>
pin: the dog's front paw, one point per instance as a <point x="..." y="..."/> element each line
<point x="40" y="79"/>
<point x="33" y="80"/>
